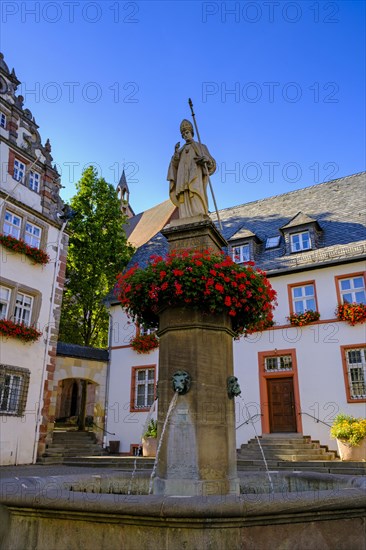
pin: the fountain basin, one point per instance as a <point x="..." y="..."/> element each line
<point x="73" y="512"/>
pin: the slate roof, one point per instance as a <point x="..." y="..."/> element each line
<point x="338" y="206"/>
<point x="85" y="352"/>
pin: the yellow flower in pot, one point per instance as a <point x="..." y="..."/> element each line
<point x="350" y="433"/>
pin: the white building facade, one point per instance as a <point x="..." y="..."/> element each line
<point x="33" y="251"/>
<point x="294" y="379"/>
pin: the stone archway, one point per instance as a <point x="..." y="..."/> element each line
<point x="78" y="386"/>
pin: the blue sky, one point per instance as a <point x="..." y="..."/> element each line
<point x="278" y="89"/>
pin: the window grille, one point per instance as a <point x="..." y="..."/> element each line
<point x="144" y="388"/>
<point x="356" y="370"/>
<point x="14" y="382"/>
<point x="278" y="363"/>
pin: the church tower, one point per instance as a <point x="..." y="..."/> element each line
<point x="124" y="196"/>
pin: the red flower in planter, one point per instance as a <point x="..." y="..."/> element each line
<point x="207" y="282"/>
<point x="352" y="313"/>
<point x="18" y="245"/>
<point x="304" y="318"/>
<point x="144" y="343"/>
<point x="19" y="330"/>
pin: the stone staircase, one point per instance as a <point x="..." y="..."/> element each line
<point x="71" y="443"/>
<point x="286" y="447"/>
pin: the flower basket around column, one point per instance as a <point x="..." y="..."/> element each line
<point x="353" y="313"/>
<point x="206" y="281"/>
<point x="350" y="433"/>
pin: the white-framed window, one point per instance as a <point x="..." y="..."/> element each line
<point x="300" y="241"/>
<point x="144" y="389"/>
<point x="12" y="225"/>
<point x="34" y="181"/>
<point x="273" y="242"/>
<point x="278" y="363"/>
<point x="303" y="298"/>
<point x="2" y="120"/>
<point x="33" y="235"/>
<point x="23" y="308"/>
<point x="19" y="170"/>
<point x="5" y="294"/>
<point x="241" y="253"/>
<point x="356" y="371"/>
<point x="14" y="382"/>
<point x="353" y="289"/>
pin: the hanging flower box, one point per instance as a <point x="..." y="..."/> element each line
<point x="353" y="313"/>
<point x="18" y="245"/>
<point x="19" y="330"/>
<point x="206" y="281"/>
<point x="144" y="343"/>
<point x="301" y="319"/>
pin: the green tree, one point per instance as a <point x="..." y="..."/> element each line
<point x="98" y="250"/>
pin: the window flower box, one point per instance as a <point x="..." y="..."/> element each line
<point x="144" y="343"/>
<point x="18" y="245"/>
<point x="301" y="319"/>
<point x="353" y="313"/>
<point x="19" y="330"/>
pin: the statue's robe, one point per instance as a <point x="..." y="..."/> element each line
<point x="188" y="180"/>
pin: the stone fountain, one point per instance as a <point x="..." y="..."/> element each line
<point x="198" y="499"/>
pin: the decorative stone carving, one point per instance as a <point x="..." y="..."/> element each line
<point x="233" y="387"/>
<point x="181" y="382"/>
<point x="188" y="174"/>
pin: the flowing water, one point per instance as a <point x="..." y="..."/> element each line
<point x="145" y="426"/>
<point x="260" y="446"/>
<point x="170" y="410"/>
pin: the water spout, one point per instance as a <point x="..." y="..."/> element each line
<point x="170" y="410"/>
<point x="260" y="446"/>
<point x="148" y="418"/>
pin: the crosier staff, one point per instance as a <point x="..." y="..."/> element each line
<point x="205" y="164"/>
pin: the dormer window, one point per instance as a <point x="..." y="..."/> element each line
<point x="2" y="120"/>
<point x="241" y="253"/>
<point x="300" y="241"/>
<point x="273" y="242"/>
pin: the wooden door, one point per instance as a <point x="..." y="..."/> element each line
<point x="282" y="414"/>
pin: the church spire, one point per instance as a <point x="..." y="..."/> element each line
<point x="124" y="196"/>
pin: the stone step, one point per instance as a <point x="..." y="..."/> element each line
<point x="283" y="444"/>
<point x="281" y="448"/>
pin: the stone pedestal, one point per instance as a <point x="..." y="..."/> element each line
<point x="198" y="451"/>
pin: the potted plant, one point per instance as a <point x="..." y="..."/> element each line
<point x="149" y="439"/>
<point x="304" y="318"/>
<point x="353" y="313"/>
<point x="350" y="433"/>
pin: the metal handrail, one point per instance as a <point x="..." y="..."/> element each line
<point x="100" y="428"/>
<point x="315" y="418"/>
<point x="249" y="420"/>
